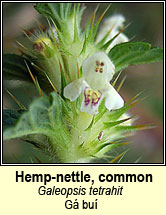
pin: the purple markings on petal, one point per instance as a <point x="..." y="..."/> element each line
<point x="96" y="96"/>
<point x="87" y="96"/>
<point x="92" y="97"/>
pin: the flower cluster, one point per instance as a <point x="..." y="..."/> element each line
<point x="97" y="72"/>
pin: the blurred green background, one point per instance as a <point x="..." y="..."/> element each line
<point x="146" y="24"/>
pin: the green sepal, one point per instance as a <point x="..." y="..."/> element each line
<point x="115" y="115"/>
<point x="92" y="30"/>
<point x="56" y="11"/>
<point x="63" y="82"/>
<point x="61" y="14"/>
<point x="94" y="27"/>
<point x="84" y="47"/>
<point x="76" y="34"/>
<point x="132" y="128"/>
<point x="118" y="158"/>
<point x="106" y="147"/>
<point x="90" y="125"/>
<point x="101" y="44"/>
<point x="102" y="111"/>
<point x="115" y="123"/>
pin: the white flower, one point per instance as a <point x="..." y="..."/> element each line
<point x="116" y="23"/>
<point x="97" y="72"/>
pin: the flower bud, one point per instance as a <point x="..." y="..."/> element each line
<point x="43" y="46"/>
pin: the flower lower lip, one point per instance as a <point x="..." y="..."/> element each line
<point x="91" y="96"/>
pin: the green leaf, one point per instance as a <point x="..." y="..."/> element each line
<point x="45" y="117"/>
<point x="10" y="117"/>
<point x="134" y="53"/>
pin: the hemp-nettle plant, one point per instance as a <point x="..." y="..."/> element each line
<point x="80" y="115"/>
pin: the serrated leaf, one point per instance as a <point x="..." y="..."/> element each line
<point x="134" y="53"/>
<point x="45" y="117"/>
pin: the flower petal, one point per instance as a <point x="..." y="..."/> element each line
<point x="91" y="101"/>
<point x="117" y="21"/>
<point x="113" y="100"/>
<point x="73" y="90"/>
<point x="98" y="70"/>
